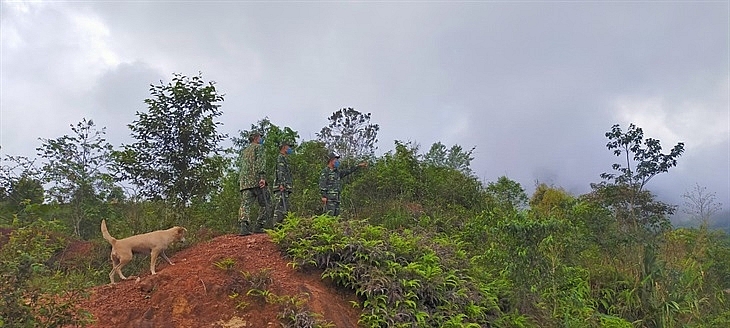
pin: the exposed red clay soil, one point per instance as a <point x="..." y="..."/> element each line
<point x="195" y="293"/>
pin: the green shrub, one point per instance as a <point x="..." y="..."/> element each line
<point x="403" y="277"/>
<point x="33" y="294"/>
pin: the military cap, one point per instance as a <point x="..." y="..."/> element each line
<point x="253" y="134"/>
<point x="333" y="155"/>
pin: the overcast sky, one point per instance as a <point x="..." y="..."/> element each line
<point x="533" y="85"/>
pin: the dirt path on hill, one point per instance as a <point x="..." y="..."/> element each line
<point x="195" y="293"/>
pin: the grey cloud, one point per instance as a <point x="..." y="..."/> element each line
<point x="119" y="94"/>
<point x="531" y="85"/>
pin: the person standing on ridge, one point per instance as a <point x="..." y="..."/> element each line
<point x="330" y="183"/>
<point x="252" y="184"/>
<point x="282" y="183"/>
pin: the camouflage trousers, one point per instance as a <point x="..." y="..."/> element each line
<point x="281" y="205"/>
<point x="332" y="207"/>
<point x="262" y="197"/>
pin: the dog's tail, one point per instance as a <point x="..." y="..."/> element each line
<point x="106" y="234"/>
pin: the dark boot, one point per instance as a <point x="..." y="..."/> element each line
<point x="269" y="223"/>
<point x="245" y="231"/>
<point x="264" y="220"/>
<point x="258" y="226"/>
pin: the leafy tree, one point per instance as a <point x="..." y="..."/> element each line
<point x="700" y="204"/>
<point x="643" y="157"/>
<point x="351" y="134"/>
<point x="624" y="192"/>
<point x="506" y="195"/>
<point x="549" y="201"/>
<point x="176" y="156"/>
<point x="455" y="157"/>
<point x="76" y="169"/>
<point x="272" y="134"/>
<point x="20" y="184"/>
<point x="638" y="214"/>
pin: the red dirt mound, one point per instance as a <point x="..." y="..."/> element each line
<point x="195" y="292"/>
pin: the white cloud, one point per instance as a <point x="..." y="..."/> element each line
<point x="14" y="14"/>
<point x="94" y="39"/>
<point x="527" y="86"/>
<point x="65" y="45"/>
<point x="647" y="113"/>
<point x="53" y="55"/>
<point x="698" y="123"/>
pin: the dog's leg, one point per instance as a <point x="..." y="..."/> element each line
<point x="117" y="265"/>
<point x="164" y="256"/>
<point x="119" y="270"/>
<point x="153" y="259"/>
<point x="114" y="267"/>
<point x="123" y="260"/>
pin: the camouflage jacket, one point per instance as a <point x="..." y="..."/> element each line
<point x="253" y="167"/>
<point x="330" y="182"/>
<point x="283" y="174"/>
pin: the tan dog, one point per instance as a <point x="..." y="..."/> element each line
<point x="154" y="243"/>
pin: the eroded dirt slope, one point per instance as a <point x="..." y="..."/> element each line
<point x="195" y="293"/>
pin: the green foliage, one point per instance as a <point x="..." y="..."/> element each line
<point x="642" y="273"/>
<point x="644" y="158"/>
<point x="639" y="224"/>
<point x="538" y="254"/>
<point x="218" y="213"/>
<point x="307" y="163"/>
<point x="295" y="314"/>
<point x="422" y="242"/>
<point x="455" y="157"/>
<point x="258" y="280"/>
<point x="405" y="278"/>
<point x="390" y="182"/>
<point x="33" y="294"/>
<point x="225" y="264"/>
<point x="176" y="156"/>
<point x="272" y="134"/>
<point x="293" y="311"/>
<point x="76" y="168"/>
<point x="302" y="169"/>
<point x="635" y="208"/>
<point x="691" y="288"/>
<point x="350" y="134"/>
<point x="506" y="196"/>
<point x="141" y="217"/>
<point x="400" y="190"/>
<point x="637" y="212"/>
<point x="20" y="185"/>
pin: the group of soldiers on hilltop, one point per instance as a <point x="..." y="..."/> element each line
<point x="254" y="186"/>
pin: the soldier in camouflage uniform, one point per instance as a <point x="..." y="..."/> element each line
<point x="330" y="183"/>
<point x="252" y="184"/>
<point x="282" y="183"/>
